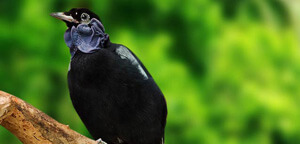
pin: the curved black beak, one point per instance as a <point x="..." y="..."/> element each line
<point x="64" y="17"/>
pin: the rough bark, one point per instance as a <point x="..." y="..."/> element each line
<point x="31" y="126"/>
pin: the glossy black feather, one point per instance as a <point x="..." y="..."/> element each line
<point x="114" y="100"/>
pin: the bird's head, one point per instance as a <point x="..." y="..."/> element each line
<point x="85" y="31"/>
<point x="76" y="16"/>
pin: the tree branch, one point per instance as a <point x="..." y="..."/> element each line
<point x="31" y="125"/>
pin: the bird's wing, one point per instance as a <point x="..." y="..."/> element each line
<point x="125" y="53"/>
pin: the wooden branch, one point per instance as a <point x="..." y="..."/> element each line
<point x="32" y="126"/>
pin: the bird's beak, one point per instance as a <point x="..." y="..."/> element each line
<point x="64" y="17"/>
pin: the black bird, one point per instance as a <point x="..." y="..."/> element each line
<point x="111" y="90"/>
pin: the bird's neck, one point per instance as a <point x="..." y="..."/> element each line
<point x="87" y="38"/>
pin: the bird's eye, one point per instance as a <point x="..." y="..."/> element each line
<point x="85" y="17"/>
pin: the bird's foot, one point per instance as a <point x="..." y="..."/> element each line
<point x="100" y="141"/>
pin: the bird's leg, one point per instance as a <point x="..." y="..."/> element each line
<point x="100" y="141"/>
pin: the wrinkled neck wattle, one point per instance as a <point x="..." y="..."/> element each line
<point x="86" y="38"/>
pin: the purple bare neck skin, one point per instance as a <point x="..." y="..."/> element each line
<point x="87" y="38"/>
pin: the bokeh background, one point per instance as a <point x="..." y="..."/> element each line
<point x="229" y="69"/>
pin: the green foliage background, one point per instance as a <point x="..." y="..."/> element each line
<point x="229" y="69"/>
